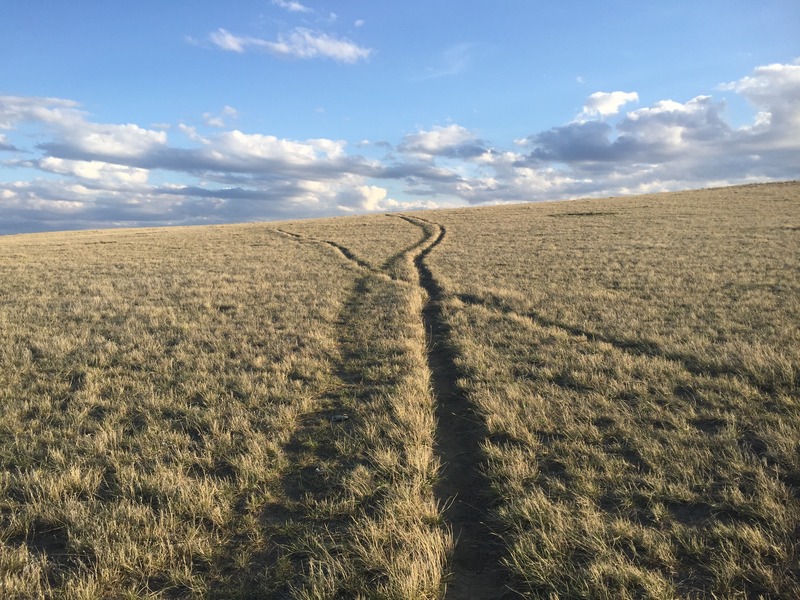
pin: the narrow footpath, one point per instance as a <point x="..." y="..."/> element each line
<point x="463" y="492"/>
<point x="463" y="489"/>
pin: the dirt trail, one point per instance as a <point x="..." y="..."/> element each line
<point x="463" y="490"/>
<point x="343" y="250"/>
<point x="631" y="346"/>
<point x="476" y="572"/>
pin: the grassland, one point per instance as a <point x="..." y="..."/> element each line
<point x="586" y="399"/>
<point x="172" y="424"/>
<point x="637" y="363"/>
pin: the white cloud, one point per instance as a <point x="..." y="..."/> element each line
<point x="775" y="91"/>
<point x="673" y="145"/>
<point x="5" y="144"/>
<point x="227" y="41"/>
<point x="672" y="124"/>
<point x="373" y="195"/>
<point x="73" y="133"/>
<point x="768" y="83"/>
<point x="213" y="121"/>
<point x="235" y="175"/>
<point x="359" y="23"/>
<point x="363" y="197"/>
<point x="103" y="172"/>
<point x="190" y="132"/>
<point x="16" y="109"/>
<point x="665" y="146"/>
<point x="452" y="140"/>
<point x="299" y="43"/>
<point x="606" y="104"/>
<point x="303" y="43"/>
<point x="292" y="6"/>
<point x="220" y="120"/>
<point x="236" y="144"/>
<point x="99" y="174"/>
<point x="120" y="141"/>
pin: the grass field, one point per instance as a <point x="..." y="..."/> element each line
<point x="584" y="399"/>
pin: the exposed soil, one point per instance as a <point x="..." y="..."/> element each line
<point x="475" y="566"/>
<point x="475" y="569"/>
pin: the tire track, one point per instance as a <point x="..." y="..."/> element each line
<point x="476" y="571"/>
<point x="632" y="347"/>
<point x="462" y="488"/>
<point x="343" y="250"/>
<point x="361" y="323"/>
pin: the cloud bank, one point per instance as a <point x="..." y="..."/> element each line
<point x="63" y="170"/>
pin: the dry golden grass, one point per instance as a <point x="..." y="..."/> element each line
<point x="166" y="430"/>
<point x="382" y="242"/>
<point x="636" y="362"/>
<point x="170" y="402"/>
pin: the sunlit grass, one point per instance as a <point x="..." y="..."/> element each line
<point x="246" y="411"/>
<point x="167" y="420"/>
<point x="636" y="362"/>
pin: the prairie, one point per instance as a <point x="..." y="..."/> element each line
<point x="636" y="364"/>
<point x="214" y="412"/>
<point x="583" y="399"/>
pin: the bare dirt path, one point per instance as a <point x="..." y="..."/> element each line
<point x="476" y="572"/>
<point x="463" y="490"/>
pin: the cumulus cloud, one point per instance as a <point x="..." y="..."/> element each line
<point x="17" y="109"/>
<point x="645" y="136"/>
<point x="771" y="86"/>
<point x="604" y="104"/>
<point x="452" y="141"/>
<point x="299" y="43"/>
<point x="105" y="169"/>
<point x="668" y="124"/>
<point x="117" y="141"/>
<point x="220" y="120"/>
<point x="100" y="174"/>
<point x="774" y="90"/>
<point x="684" y="144"/>
<point x="72" y="135"/>
<point x="364" y="198"/>
<point x="103" y="172"/>
<point x="253" y="151"/>
<point x="667" y="145"/>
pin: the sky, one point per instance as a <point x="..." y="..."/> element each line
<point x="120" y="114"/>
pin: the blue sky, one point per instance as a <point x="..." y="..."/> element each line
<point x="184" y="112"/>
